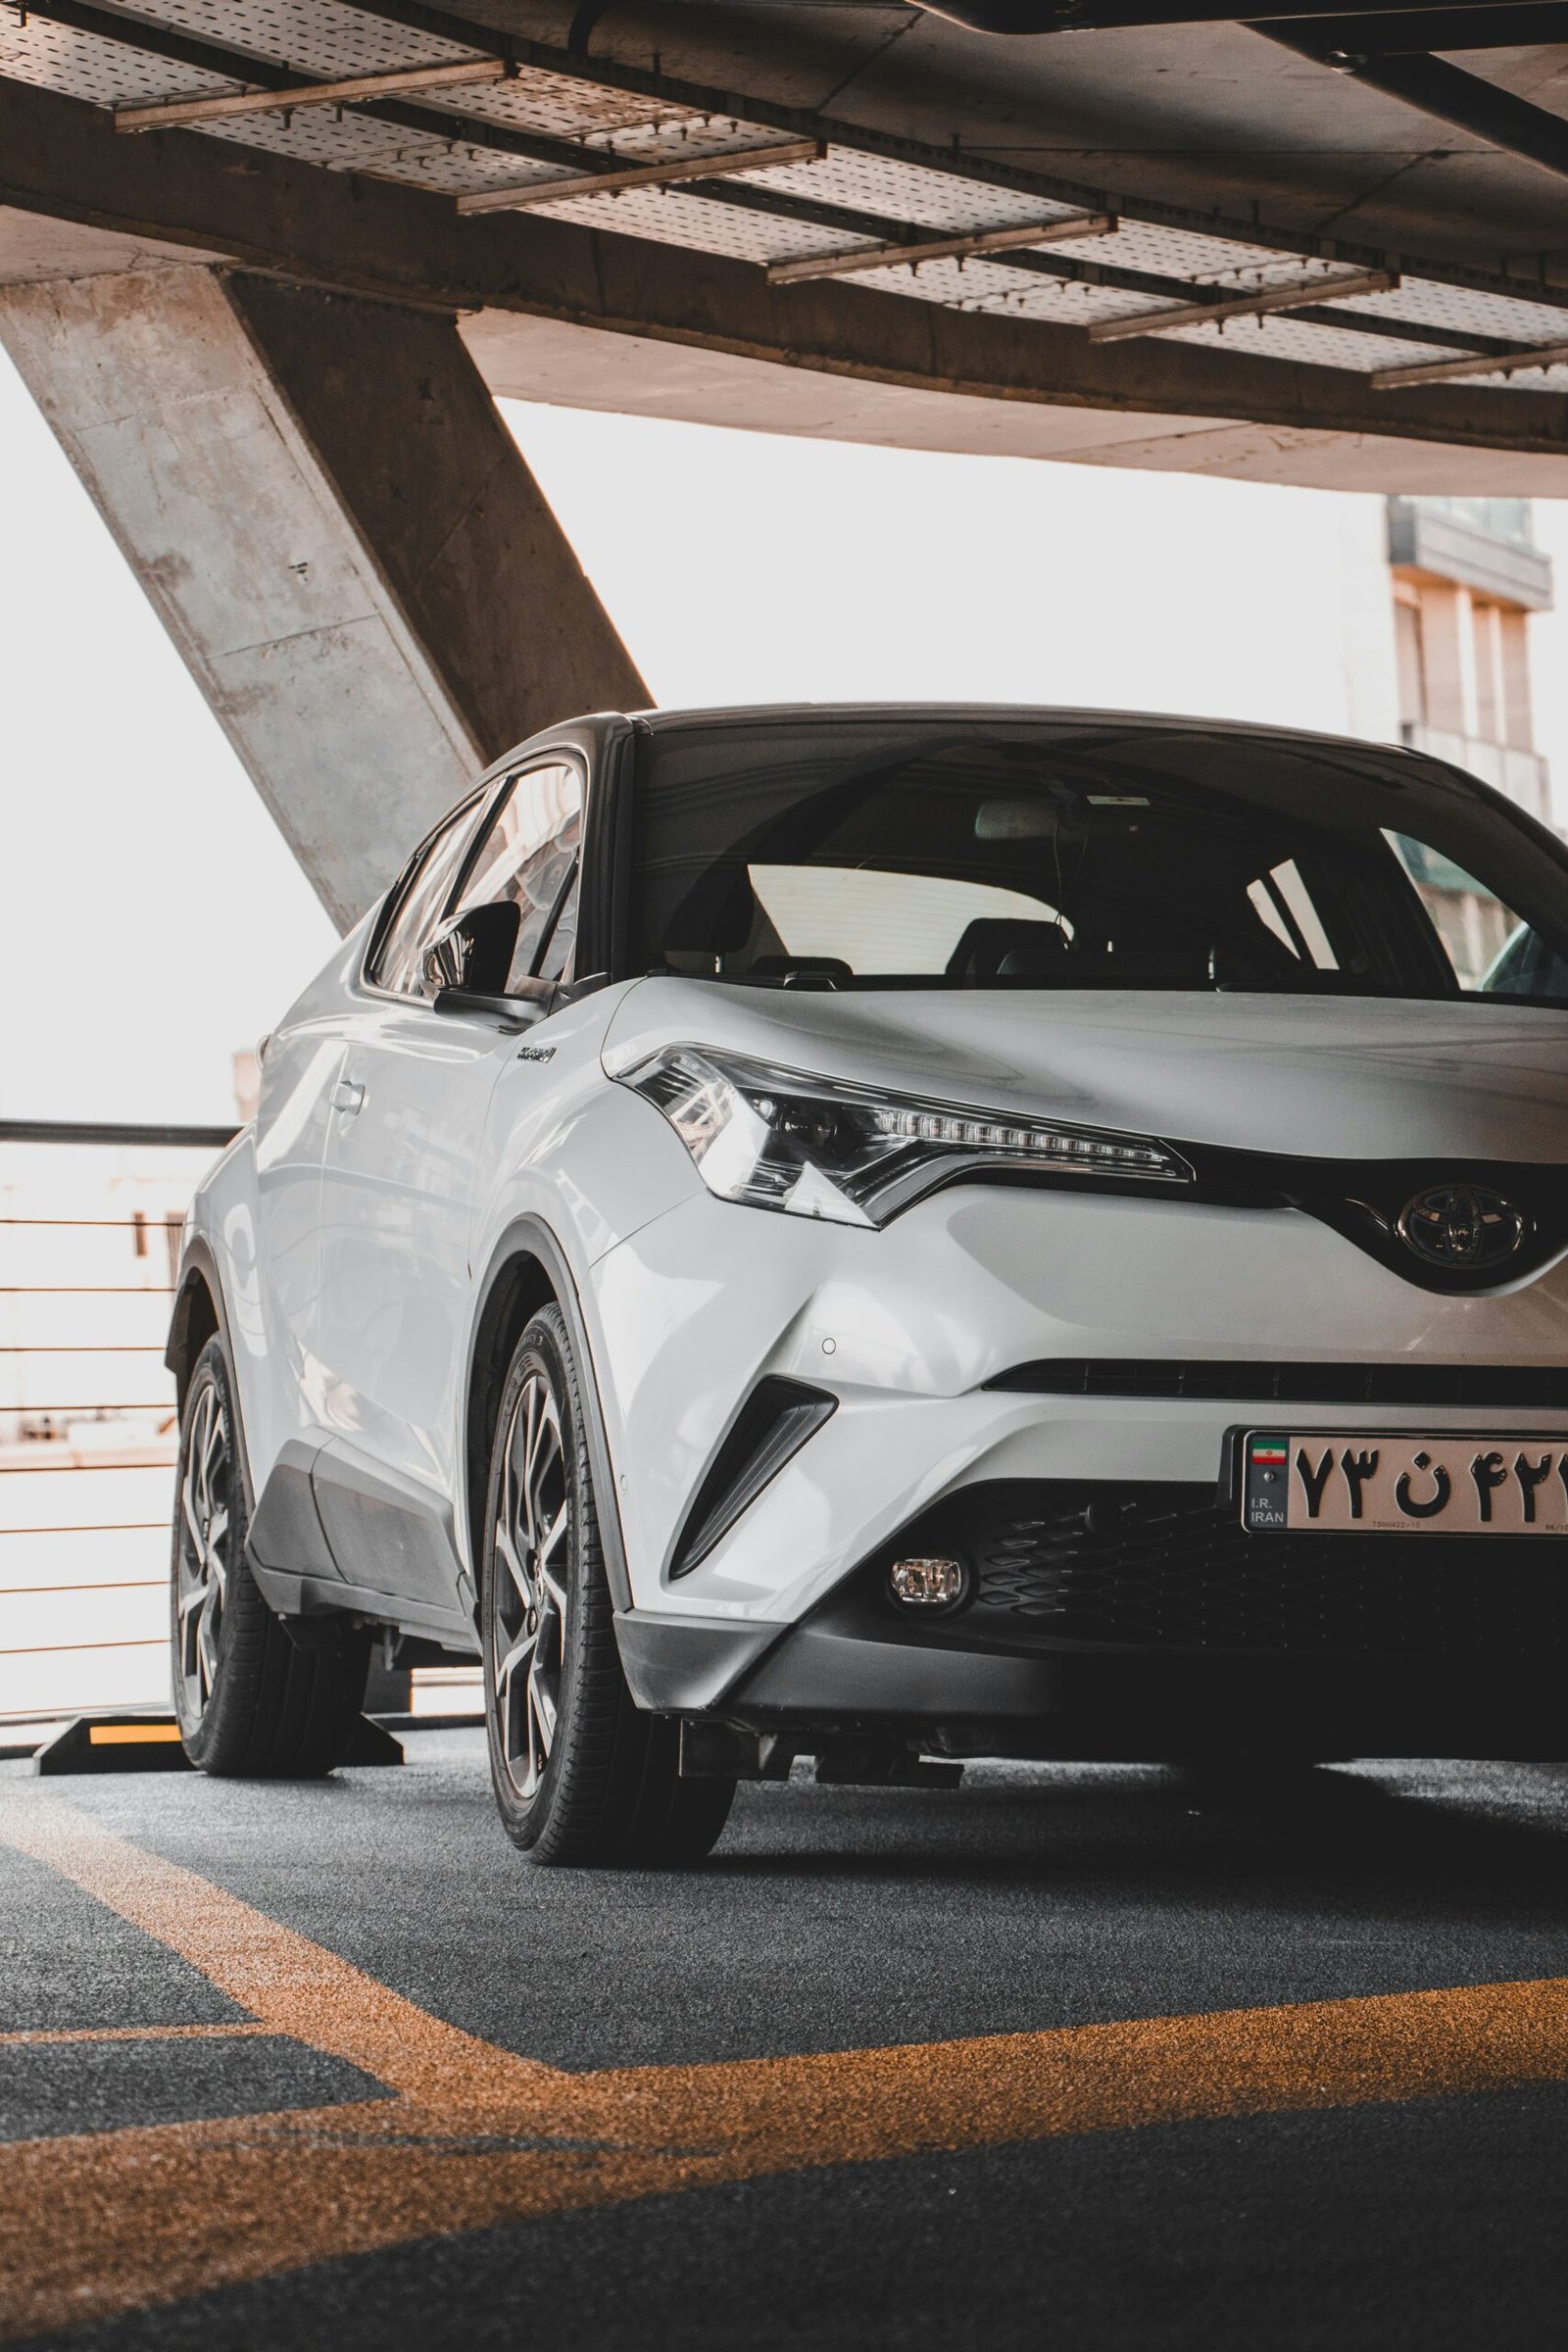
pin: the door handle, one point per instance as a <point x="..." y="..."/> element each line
<point x="347" y="1096"/>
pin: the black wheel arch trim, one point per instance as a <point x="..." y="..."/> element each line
<point x="529" y="1237"/>
<point x="689" y="1665"/>
<point x="198" y="1267"/>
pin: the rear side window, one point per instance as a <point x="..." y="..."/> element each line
<point x="528" y="858"/>
<point x="421" y="896"/>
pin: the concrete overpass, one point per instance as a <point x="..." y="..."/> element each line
<point x="265" y="262"/>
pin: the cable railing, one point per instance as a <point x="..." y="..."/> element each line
<point x="93" y="1219"/>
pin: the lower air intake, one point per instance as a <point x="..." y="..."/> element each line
<point x="771" y="1426"/>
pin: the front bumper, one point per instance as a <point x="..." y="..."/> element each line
<point x="816" y="1686"/>
<point x="1140" y="1621"/>
<point x="907" y="1329"/>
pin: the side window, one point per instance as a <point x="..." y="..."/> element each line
<point x="528" y="858"/>
<point x="416" y="916"/>
<point x="1474" y="927"/>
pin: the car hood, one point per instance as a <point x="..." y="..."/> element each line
<point x="1346" y="1078"/>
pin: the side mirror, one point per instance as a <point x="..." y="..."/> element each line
<point x="445" y="961"/>
<point x="473" y="954"/>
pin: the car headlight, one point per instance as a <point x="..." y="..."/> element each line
<point x="819" y="1148"/>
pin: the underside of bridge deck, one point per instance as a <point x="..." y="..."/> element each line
<point x="1243" y="247"/>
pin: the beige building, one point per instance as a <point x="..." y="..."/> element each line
<point x="1467" y="575"/>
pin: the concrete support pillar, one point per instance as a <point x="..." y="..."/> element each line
<point x="319" y="496"/>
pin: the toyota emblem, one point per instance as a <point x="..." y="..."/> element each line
<point x="1461" y="1227"/>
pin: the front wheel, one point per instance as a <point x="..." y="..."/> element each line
<point x="580" y="1774"/>
<point x="247" y="1701"/>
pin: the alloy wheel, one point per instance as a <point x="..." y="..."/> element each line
<point x="202" y="1551"/>
<point x="529" y="1620"/>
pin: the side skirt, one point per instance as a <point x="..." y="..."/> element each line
<point x="327" y="1527"/>
<point x="314" y="1598"/>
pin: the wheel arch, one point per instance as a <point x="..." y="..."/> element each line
<point x="527" y="1270"/>
<point x="200" y="1315"/>
<point x="191" y="1326"/>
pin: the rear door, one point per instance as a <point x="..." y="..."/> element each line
<point x="402" y="1148"/>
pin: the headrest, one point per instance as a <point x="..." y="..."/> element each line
<point x="716" y="915"/>
<point x="991" y="944"/>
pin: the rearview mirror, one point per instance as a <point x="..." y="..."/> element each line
<point x="1016" y="820"/>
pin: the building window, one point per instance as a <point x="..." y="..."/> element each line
<point x="1463" y="662"/>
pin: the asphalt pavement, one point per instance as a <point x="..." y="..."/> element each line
<point x="1069" y="2056"/>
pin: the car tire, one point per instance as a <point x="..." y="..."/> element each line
<point x="250" y="1704"/>
<point x="581" y="1775"/>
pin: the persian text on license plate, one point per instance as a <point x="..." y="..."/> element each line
<point x="1350" y="1482"/>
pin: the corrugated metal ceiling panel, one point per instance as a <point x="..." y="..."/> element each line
<point x="320" y="39"/>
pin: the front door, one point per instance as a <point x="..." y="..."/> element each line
<point x="402" y="1148"/>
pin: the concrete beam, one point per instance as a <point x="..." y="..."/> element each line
<point x="321" y="500"/>
<point x="569" y="367"/>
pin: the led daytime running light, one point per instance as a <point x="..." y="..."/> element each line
<point x="1048" y="1144"/>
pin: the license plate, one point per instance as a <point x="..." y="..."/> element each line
<point x="1350" y="1482"/>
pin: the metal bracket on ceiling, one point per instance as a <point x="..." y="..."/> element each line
<point x="937" y="248"/>
<point x="1242" y="306"/>
<point x="530" y="194"/>
<point x="228" y="104"/>
<point x="1496" y="362"/>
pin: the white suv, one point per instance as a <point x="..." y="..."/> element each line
<point x="893" y="1235"/>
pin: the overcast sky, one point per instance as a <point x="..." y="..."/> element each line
<point x="154" y="920"/>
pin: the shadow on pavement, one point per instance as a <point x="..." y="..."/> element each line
<point x="1406" y="1836"/>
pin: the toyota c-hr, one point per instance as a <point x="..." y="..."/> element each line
<point x="893" y="1235"/>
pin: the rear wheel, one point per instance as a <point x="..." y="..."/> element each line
<point x="248" y="1702"/>
<point x="580" y="1774"/>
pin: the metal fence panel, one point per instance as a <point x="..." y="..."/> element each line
<point x="90" y="1225"/>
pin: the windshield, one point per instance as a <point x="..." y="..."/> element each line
<point x="866" y="853"/>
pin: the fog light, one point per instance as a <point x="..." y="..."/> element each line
<point x="927" y="1584"/>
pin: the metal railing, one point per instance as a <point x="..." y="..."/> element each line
<point x="91" y="1223"/>
<point x="91" y="1218"/>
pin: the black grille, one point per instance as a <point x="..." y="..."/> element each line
<point x="1166" y="1567"/>
<point x="1526" y="1388"/>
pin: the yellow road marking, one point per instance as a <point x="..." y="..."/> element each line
<point x="131" y="1734"/>
<point x="285" y="1981"/>
<point x="473" y="2134"/>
